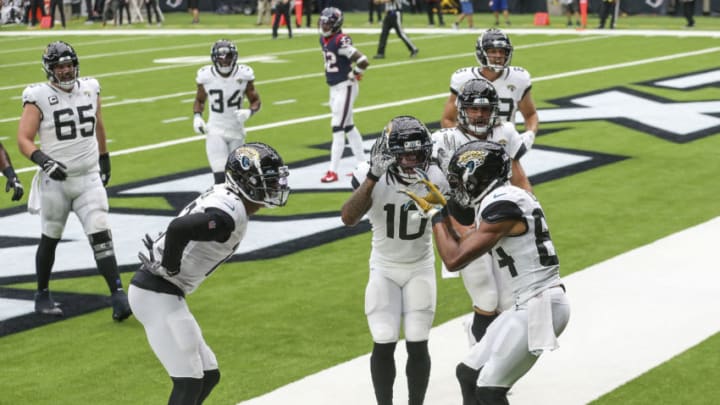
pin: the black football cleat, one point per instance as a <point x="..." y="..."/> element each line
<point x="45" y="305"/>
<point x="121" y="307"/>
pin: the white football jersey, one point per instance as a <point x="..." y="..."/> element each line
<point x="401" y="239"/>
<point x="225" y="95"/>
<point x="201" y="258"/>
<point x="511" y="87"/>
<point x="529" y="258"/>
<point x="450" y="139"/>
<point x="67" y="123"/>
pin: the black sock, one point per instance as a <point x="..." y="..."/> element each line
<point x="492" y="395"/>
<point x="467" y="377"/>
<point x="219" y="177"/>
<point x="480" y="324"/>
<point x="210" y="379"/>
<point x="417" y="371"/>
<point x="382" y="370"/>
<point x="186" y="391"/>
<point x="102" y="245"/>
<point x="44" y="260"/>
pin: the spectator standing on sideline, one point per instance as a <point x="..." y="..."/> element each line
<point x="401" y="289"/>
<point x="500" y="6"/>
<point x="607" y="8"/>
<point x="12" y="179"/>
<point x="123" y="5"/>
<point x="433" y="8"/>
<point x="511" y="224"/>
<point x="466" y="11"/>
<point x="194" y="9"/>
<point x="53" y="5"/>
<point x="571" y="9"/>
<point x="225" y="84"/>
<point x="307" y="10"/>
<point x="374" y="7"/>
<point x="74" y="170"/>
<point x="264" y="12"/>
<point x="339" y="54"/>
<point x="282" y="8"/>
<point x="204" y="235"/>
<point x="35" y="5"/>
<point x="150" y="6"/>
<point x="393" y="20"/>
<point x="689" y="12"/>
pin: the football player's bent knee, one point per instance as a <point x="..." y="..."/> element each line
<point x="491" y="395"/>
<point x="53" y="229"/>
<point x="418" y="325"/>
<point x="102" y="244"/>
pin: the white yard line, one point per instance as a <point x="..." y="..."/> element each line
<point x="618" y="330"/>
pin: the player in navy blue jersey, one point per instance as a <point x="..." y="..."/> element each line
<point x="339" y="55"/>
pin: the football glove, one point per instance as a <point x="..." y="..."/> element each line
<point x="243" y="114"/>
<point x="13" y="183"/>
<point x="199" y="124"/>
<point x="53" y="168"/>
<point x="528" y="138"/>
<point x="380" y="158"/>
<point x="149" y="263"/>
<point x="105" y="168"/>
<point x="354" y="75"/>
<point x="434" y="195"/>
<point x="426" y="208"/>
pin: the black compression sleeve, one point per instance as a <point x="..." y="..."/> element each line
<point x="212" y="225"/>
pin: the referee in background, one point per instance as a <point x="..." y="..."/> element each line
<point x="393" y="19"/>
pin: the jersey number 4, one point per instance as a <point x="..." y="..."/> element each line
<point x="65" y="126"/>
<point x="218" y="100"/>
<point x="542" y="243"/>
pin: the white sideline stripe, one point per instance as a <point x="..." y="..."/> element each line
<point x="618" y="330"/>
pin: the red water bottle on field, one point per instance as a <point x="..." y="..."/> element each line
<point x="583" y="12"/>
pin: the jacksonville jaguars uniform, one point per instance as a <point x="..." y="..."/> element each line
<point x="158" y="301"/>
<point x="67" y="134"/>
<point x="511" y="87"/>
<point x="225" y="95"/>
<point x="520" y="334"/>
<point x="401" y="285"/>
<point x="482" y="281"/>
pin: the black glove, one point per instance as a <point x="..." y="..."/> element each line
<point x="105" y="168"/>
<point x="152" y="265"/>
<point x="53" y="168"/>
<point x="14" y="183"/>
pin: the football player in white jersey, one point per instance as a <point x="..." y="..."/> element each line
<point x="224" y="85"/>
<point x="74" y="169"/>
<point x="401" y="289"/>
<point x="12" y="180"/>
<point x="510" y="223"/>
<point x="494" y="51"/>
<point x="205" y="234"/>
<point x="477" y="106"/>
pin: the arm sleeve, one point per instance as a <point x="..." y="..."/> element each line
<point x="211" y="225"/>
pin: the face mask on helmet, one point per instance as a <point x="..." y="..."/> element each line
<point x="224" y="56"/>
<point x="409" y="141"/>
<point x="61" y="65"/>
<point x="478" y="107"/>
<point x="493" y="50"/>
<point x="477" y="168"/>
<point x="330" y="21"/>
<point x="256" y="172"/>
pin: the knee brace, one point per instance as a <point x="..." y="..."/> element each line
<point x="102" y="244"/>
